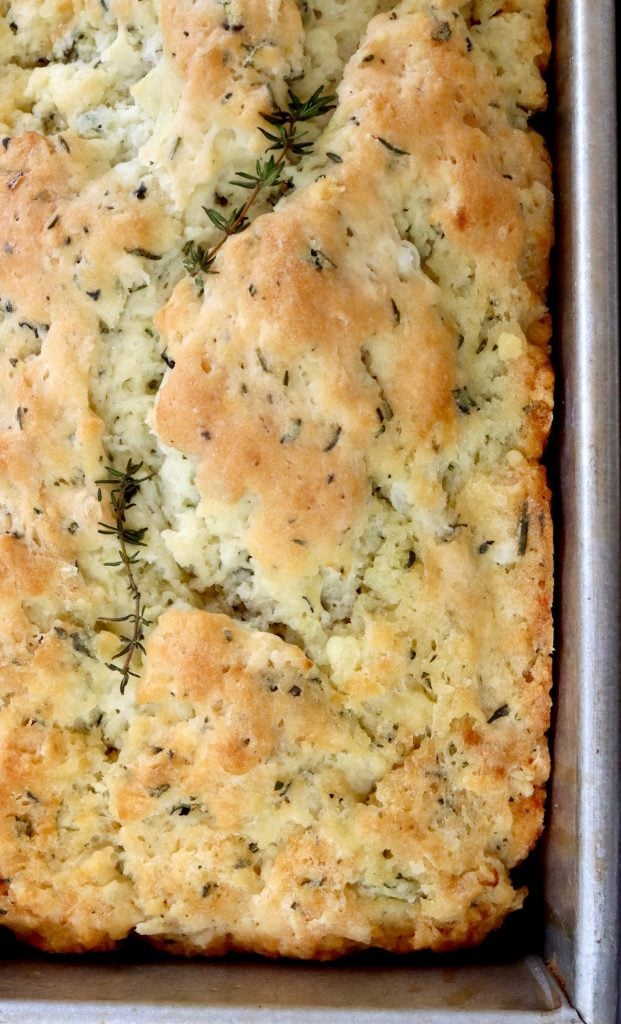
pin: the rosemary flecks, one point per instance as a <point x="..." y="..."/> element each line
<point x="125" y="486"/>
<point x="286" y="140"/>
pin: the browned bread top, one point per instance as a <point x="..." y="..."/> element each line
<point x="336" y="735"/>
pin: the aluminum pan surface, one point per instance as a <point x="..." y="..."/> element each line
<point x="582" y="844"/>
<point x="240" y="992"/>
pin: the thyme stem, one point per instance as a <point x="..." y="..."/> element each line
<point x="241" y="213"/>
<point x="284" y="138"/>
<point x="125" y="486"/>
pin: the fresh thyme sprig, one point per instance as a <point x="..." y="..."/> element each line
<point x="286" y="140"/>
<point x="125" y="485"/>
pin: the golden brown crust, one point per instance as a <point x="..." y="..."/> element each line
<point x="252" y="421"/>
<point x="337" y="736"/>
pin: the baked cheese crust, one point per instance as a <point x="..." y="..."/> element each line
<point x="336" y="735"/>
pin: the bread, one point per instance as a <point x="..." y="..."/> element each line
<point x="336" y="735"/>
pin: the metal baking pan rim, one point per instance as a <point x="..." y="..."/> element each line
<point x="582" y="844"/>
<point x="581" y="882"/>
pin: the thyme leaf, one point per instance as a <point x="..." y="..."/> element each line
<point x="500" y="712"/>
<point x="523" y="529"/>
<point x="197" y="259"/>
<point x="393" y="149"/>
<point x="267" y="175"/>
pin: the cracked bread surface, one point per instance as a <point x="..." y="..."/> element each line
<point x="336" y="738"/>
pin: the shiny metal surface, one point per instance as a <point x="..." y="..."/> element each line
<point x="582" y="846"/>
<point x="280" y="993"/>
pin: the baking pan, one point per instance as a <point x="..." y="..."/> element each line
<point x="567" y="970"/>
<point x="582" y="847"/>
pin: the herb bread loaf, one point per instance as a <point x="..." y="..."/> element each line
<point x="275" y="558"/>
